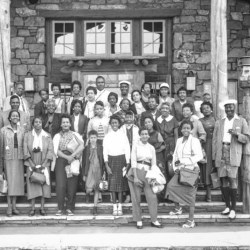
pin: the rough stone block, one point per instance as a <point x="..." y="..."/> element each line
<point x="204" y="75"/>
<point x="80" y="6"/>
<point x="180" y="66"/>
<point x="189" y="38"/>
<point x="37" y="69"/>
<point x="182" y="27"/>
<point x="35" y="21"/>
<point x="234" y="25"/>
<point x="50" y="1"/>
<point x="40" y="35"/>
<point x="201" y="19"/>
<point x="177" y="40"/>
<point x="36" y="47"/>
<point x="204" y="58"/>
<point x="47" y="7"/>
<point x="16" y="42"/>
<point x="205" y="36"/>
<point x="187" y="19"/>
<point x="188" y="12"/>
<point x="22" y="32"/>
<point x="15" y="61"/>
<point x="242" y="34"/>
<point x="97" y="1"/>
<point x="195" y="4"/>
<point x="232" y="75"/>
<point x="199" y="27"/>
<point x="30" y="39"/>
<point x="41" y="58"/>
<point x="28" y="61"/>
<point x="236" y="43"/>
<point x="22" y="53"/>
<point x="236" y="52"/>
<point x="237" y="16"/>
<point x="203" y="12"/>
<point x="246" y="20"/>
<point x="18" y="21"/>
<point x="25" y="12"/>
<point x="113" y="1"/>
<point x="34" y="55"/>
<point x="20" y="70"/>
<point x="108" y="7"/>
<point x="13" y="31"/>
<point x="189" y="46"/>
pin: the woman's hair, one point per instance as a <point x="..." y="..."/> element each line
<point x="56" y="85"/>
<point x="146" y="83"/>
<point x="152" y="120"/>
<point x="115" y="117"/>
<point x="142" y="129"/>
<point x="49" y="101"/>
<point x="114" y="95"/>
<point x="36" y="117"/>
<point x="181" y="89"/>
<point x="43" y="90"/>
<point x="129" y="112"/>
<point x="186" y="122"/>
<point x="165" y="104"/>
<point x="76" y="83"/>
<point x="74" y="102"/>
<point x="153" y="96"/>
<point x="188" y="105"/>
<point x="99" y="103"/>
<point x="125" y="99"/>
<point x="91" y="88"/>
<point x="11" y="112"/>
<point x="134" y="91"/>
<point x="206" y="103"/>
<point x="65" y="116"/>
<point x="14" y="97"/>
<point x="92" y="132"/>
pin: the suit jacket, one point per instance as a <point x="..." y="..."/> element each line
<point x="82" y="125"/>
<point x="40" y="109"/>
<point x="177" y="109"/>
<point x="236" y="145"/>
<point x="149" y="114"/>
<point x="133" y="108"/>
<point x="56" y="124"/>
<point x="24" y="119"/>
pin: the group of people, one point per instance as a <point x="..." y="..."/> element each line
<point x="121" y="137"/>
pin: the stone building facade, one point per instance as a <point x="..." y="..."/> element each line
<point x="189" y="31"/>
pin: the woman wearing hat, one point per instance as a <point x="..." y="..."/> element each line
<point x="164" y="94"/>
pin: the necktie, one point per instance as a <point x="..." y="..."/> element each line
<point x="22" y="103"/>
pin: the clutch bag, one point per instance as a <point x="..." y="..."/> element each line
<point x="38" y="178"/>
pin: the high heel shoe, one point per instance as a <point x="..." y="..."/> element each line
<point x="42" y="212"/>
<point x="32" y="212"/>
<point x="15" y="211"/>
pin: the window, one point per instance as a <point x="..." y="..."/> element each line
<point x="109" y="38"/>
<point x="153" y="37"/>
<point x="63" y="38"/>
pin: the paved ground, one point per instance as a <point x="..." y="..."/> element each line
<point x="115" y="237"/>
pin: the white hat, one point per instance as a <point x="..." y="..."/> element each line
<point x="164" y="85"/>
<point x="229" y="101"/>
<point x="126" y="82"/>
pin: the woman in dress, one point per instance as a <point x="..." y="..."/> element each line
<point x="187" y="154"/>
<point x="112" y="107"/>
<point x="92" y="164"/>
<point x="143" y="157"/>
<point x="76" y="89"/>
<point x="116" y="154"/>
<point x="11" y="163"/>
<point x="65" y="156"/>
<point x="208" y="123"/>
<point x="60" y="104"/>
<point x="79" y="122"/>
<point x="51" y="120"/>
<point x="125" y="106"/>
<point x="38" y="154"/>
<point x="167" y="125"/>
<point x="90" y="102"/>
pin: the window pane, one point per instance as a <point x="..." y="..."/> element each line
<point x="69" y="27"/>
<point x="125" y="38"/>
<point x="59" y="49"/>
<point x="117" y="49"/>
<point x="148" y="37"/>
<point x="59" y="27"/>
<point x="156" y="37"/>
<point x="90" y="49"/>
<point x="100" y="49"/>
<point x="59" y="38"/>
<point x="101" y="27"/>
<point x="126" y="27"/>
<point x="90" y="27"/>
<point x="69" y="38"/>
<point x="125" y="48"/>
<point x="69" y="49"/>
<point x="90" y="38"/>
<point x="100" y="38"/>
<point x="148" y="26"/>
<point x="115" y="38"/>
<point x="158" y="26"/>
<point x="116" y="27"/>
<point x="148" y="48"/>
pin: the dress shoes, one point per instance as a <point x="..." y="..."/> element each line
<point x="42" y="212"/>
<point x="32" y="212"/>
<point x="156" y="225"/>
<point x="15" y="212"/>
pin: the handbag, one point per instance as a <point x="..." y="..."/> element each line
<point x="215" y="180"/>
<point x="188" y="177"/>
<point x="38" y="178"/>
<point x="3" y="185"/>
<point x="103" y="185"/>
<point x="155" y="175"/>
<point x="75" y="167"/>
<point x="72" y="145"/>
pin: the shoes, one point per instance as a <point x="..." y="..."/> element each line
<point x="226" y="211"/>
<point x="42" y="212"/>
<point x="189" y="224"/>
<point x="69" y="212"/>
<point x="208" y="198"/>
<point x="127" y="200"/>
<point x="87" y="198"/>
<point x="176" y="211"/>
<point x="139" y="225"/>
<point x="32" y="212"/>
<point x="9" y="213"/>
<point x="115" y="209"/>
<point x="15" y="211"/>
<point x="232" y="215"/>
<point x="94" y="210"/>
<point x="119" y="209"/>
<point x="59" y="213"/>
<point x="156" y="224"/>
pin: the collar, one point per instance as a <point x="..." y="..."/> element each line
<point x="9" y="127"/>
<point x="235" y="117"/>
<point x="43" y="133"/>
<point x="160" y="119"/>
<point x="142" y="144"/>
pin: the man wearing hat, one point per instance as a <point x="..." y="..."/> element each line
<point x="230" y="133"/>
<point x="124" y="87"/>
<point x="164" y="94"/>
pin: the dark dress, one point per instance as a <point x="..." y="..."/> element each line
<point x="208" y="124"/>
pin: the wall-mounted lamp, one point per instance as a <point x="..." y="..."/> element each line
<point x="191" y="81"/>
<point x="29" y="82"/>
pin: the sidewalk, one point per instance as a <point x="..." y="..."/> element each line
<point x="57" y="237"/>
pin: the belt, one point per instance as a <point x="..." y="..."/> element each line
<point x="226" y="143"/>
<point x="145" y="163"/>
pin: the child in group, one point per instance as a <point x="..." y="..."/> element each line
<point x="92" y="166"/>
<point x="60" y="104"/>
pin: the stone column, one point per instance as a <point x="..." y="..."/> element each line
<point x="5" y="52"/>
<point x="218" y="54"/>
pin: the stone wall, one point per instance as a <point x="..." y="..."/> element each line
<point x="191" y="32"/>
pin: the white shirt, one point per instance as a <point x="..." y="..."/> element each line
<point x="228" y="125"/>
<point x="167" y="119"/>
<point x="89" y="110"/>
<point x="102" y="96"/>
<point x="58" y="102"/>
<point x="76" y="122"/>
<point x="114" y="144"/>
<point x="139" y="108"/>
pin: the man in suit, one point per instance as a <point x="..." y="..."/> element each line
<point x="230" y="133"/>
<point x="24" y="118"/>
<point x="19" y="91"/>
<point x="153" y="112"/>
<point x="40" y="107"/>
